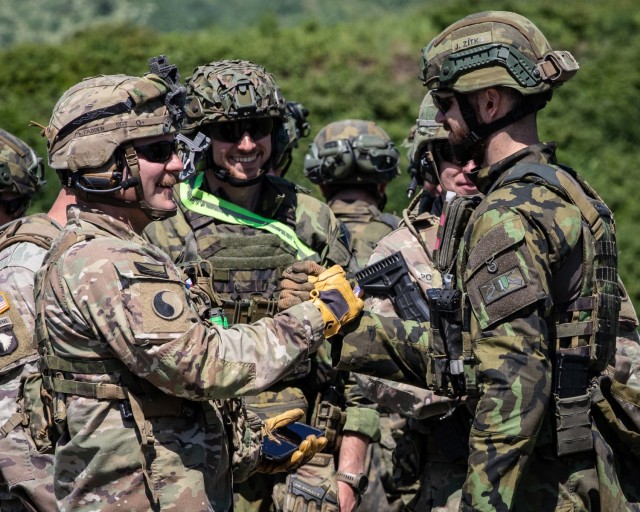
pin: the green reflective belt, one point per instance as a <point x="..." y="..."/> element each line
<point x="202" y="202"/>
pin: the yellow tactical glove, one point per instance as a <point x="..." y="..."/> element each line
<point x="295" y="284"/>
<point x="333" y="296"/>
<point x="305" y="451"/>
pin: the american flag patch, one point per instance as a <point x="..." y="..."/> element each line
<point x="4" y="302"/>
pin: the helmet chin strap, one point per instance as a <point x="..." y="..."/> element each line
<point x="131" y="158"/>
<point x="225" y="175"/>
<point x="468" y="147"/>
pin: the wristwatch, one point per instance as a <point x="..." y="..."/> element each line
<point x="359" y="482"/>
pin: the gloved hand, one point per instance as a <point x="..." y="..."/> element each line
<point x="312" y="488"/>
<point x="333" y="296"/>
<point x="305" y="452"/>
<point x="295" y="283"/>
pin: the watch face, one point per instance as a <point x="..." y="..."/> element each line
<point x="362" y="483"/>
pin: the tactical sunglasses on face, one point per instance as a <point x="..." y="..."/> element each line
<point x="158" y="152"/>
<point x="442" y="101"/>
<point x="232" y="131"/>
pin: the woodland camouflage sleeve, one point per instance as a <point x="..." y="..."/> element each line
<point x="170" y="235"/>
<point x="507" y="278"/>
<point x="318" y="226"/>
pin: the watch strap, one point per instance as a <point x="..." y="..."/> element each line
<point x="358" y="481"/>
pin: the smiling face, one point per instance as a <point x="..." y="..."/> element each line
<point x="243" y="159"/>
<point x="455" y="178"/>
<point x="157" y="177"/>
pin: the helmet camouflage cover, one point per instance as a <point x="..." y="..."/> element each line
<point x="230" y="90"/>
<point x="426" y="129"/>
<point x="98" y="115"/>
<point x="493" y="49"/>
<point x="352" y="151"/>
<point x="21" y="171"/>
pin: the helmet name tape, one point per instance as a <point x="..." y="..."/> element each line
<point x="94" y="115"/>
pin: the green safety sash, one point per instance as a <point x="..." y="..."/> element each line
<point x="202" y="202"/>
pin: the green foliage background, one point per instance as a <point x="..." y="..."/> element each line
<point x="356" y="59"/>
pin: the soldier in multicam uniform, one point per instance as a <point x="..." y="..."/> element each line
<point x="250" y="226"/>
<point x="24" y="473"/>
<point x="353" y="161"/>
<point x="420" y="455"/>
<point x="525" y="320"/>
<point x="132" y="370"/>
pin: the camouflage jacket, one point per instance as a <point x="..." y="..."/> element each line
<point x="366" y="223"/>
<point x="405" y="399"/>
<point x="510" y="340"/>
<point x="106" y="298"/>
<point x="22" y="470"/>
<point x="247" y="263"/>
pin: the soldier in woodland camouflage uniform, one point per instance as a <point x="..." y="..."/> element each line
<point x="131" y="368"/>
<point x="526" y="318"/>
<point x="250" y="226"/>
<point x="24" y="473"/>
<point x="353" y="161"/>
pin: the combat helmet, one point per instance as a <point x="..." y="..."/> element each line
<point x="351" y="151"/>
<point x="494" y="49"/>
<point x="427" y="137"/>
<point x="21" y="172"/>
<point x="222" y="94"/>
<point x="91" y="132"/>
<point x="297" y="126"/>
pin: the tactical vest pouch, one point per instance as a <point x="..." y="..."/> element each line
<point x="453" y="223"/>
<point x="616" y="413"/>
<point x="37" y="405"/>
<point x="243" y="429"/>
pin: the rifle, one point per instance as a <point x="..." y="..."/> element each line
<point x="390" y="277"/>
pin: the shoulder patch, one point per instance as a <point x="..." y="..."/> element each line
<point x="167" y="305"/>
<point x="8" y="342"/>
<point x="150" y="269"/>
<point x="502" y="285"/>
<point x="4" y="302"/>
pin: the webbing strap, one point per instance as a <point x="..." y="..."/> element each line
<point x="204" y="203"/>
<point x="101" y="367"/>
<point x="147" y="439"/>
<point x="101" y="390"/>
<point x="14" y="420"/>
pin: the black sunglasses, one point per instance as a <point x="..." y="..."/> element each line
<point x="232" y="131"/>
<point x="442" y="101"/>
<point x="158" y="152"/>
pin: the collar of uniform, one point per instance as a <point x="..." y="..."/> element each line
<point x="81" y="213"/>
<point x="353" y="209"/>
<point x="543" y="152"/>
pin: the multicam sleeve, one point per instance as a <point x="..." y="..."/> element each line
<point x="134" y="298"/>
